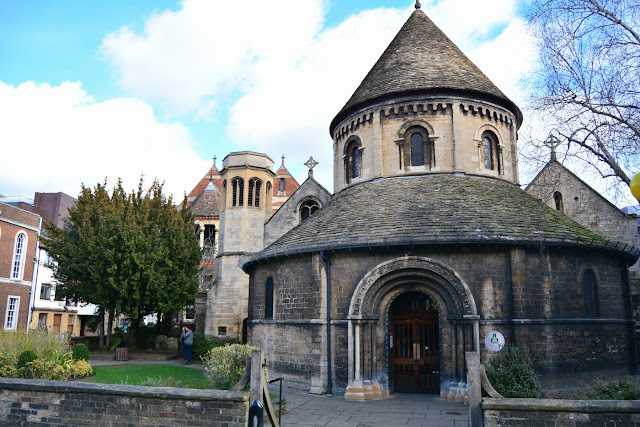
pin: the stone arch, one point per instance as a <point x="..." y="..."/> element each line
<point x="416" y="122"/>
<point x="491" y="128"/>
<point x="412" y="266"/>
<point x="369" y="321"/>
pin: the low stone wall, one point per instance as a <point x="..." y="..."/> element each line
<point x="65" y="403"/>
<point x="558" y="412"/>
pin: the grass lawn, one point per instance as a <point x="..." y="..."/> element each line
<point x="136" y="374"/>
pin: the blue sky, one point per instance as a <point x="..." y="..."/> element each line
<point x="90" y="90"/>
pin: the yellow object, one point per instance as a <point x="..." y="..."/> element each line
<point x="635" y="186"/>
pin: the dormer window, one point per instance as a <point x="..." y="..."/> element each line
<point x="308" y="208"/>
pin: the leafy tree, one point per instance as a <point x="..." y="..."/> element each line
<point x="588" y="79"/>
<point x="133" y="254"/>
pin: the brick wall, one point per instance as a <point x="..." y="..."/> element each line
<point x="557" y="412"/>
<point x="61" y="403"/>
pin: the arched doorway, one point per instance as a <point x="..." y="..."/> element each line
<point x="415" y="348"/>
<point x="381" y="301"/>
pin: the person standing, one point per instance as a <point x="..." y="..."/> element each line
<point x="186" y="339"/>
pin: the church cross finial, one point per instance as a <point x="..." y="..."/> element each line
<point x="552" y="142"/>
<point x="311" y="163"/>
<point x="282" y="164"/>
<point x="418" y="5"/>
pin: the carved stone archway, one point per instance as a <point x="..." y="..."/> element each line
<point x="368" y="327"/>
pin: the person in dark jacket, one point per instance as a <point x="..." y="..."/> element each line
<point x="186" y="339"/>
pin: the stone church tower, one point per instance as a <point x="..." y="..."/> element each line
<point x="429" y="246"/>
<point x="246" y="204"/>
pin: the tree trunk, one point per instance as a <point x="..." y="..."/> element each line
<point x="101" y="345"/>
<point x="109" y="329"/>
<point x="132" y="334"/>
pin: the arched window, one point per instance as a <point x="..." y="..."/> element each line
<point x="268" y="299"/>
<point x="417" y="150"/>
<point x="353" y="160"/>
<point x="590" y="288"/>
<point x="308" y="208"/>
<point x="19" y="252"/>
<point x="281" y="189"/>
<point x="254" y="192"/>
<point x="237" y="186"/>
<point x="491" y="152"/>
<point x="557" y="198"/>
<point x="418" y="147"/>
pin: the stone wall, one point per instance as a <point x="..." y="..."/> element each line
<point x="62" y="403"/>
<point x="557" y="412"/>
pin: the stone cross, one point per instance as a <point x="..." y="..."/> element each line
<point x="552" y="142"/>
<point x="418" y="5"/>
<point x="311" y="163"/>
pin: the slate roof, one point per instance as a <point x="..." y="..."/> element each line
<point x="430" y="210"/>
<point x="421" y="59"/>
<point x="207" y="204"/>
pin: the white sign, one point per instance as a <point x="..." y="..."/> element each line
<point x="494" y="341"/>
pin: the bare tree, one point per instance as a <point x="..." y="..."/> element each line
<point x="589" y="80"/>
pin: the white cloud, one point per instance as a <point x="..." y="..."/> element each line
<point x="58" y="137"/>
<point x="293" y="75"/>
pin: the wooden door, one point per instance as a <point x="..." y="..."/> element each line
<point x="416" y="364"/>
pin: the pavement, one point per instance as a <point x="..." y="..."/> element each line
<point x="304" y="409"/>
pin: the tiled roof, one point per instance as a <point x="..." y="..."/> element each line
<point x="207" y="204"/>
<point x="429" y="210"/>
<point x="421" y="59"/>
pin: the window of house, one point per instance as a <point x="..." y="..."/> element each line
<point x="491" y="152"/>
<point x="417" y="147"/>
<point x="70" y="322"/>
<point x="222" y="331"/>
<point x="557" y="198"/>
<point x="281" y="185"/>
<point x="57" y="321"/>
<point x="255" y="185"/>
<point x="268" y="299"/>
<point x="209" y="235"/>
<point x="353" y="160"/>
<point x="308" y="208"/>
<point x="590" y="289"/>
<point x="237" y="187"/>
<point x="417" y="150"/>
<point x="11" y="316"/>
<point x="42" y="321"/>
<point x="18" y="256"/>
<point x="45" y="291"/>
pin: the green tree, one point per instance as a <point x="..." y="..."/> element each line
<point x="133" y="254"/>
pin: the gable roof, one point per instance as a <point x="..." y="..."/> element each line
<point x="421" y="59"/>
<point x="434" y="210"/>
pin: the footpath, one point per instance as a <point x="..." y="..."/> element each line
<point x="303" y="409"/>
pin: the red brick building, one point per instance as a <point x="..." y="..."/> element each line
<point x="19" y="232"/>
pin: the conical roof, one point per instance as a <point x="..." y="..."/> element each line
<point x="421" y="59"/>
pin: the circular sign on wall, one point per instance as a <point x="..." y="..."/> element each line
<point x="494" y="341"/>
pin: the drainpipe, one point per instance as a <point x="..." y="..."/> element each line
<point x="327" y="263"/>
<point x="34" y="279"/>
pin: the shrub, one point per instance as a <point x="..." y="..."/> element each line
<point x="80" y="368"/>
<point x="80" y="352"/>
<point x="25" y="358"/>
<point x="611" y="390"/>
<point x="48" y="370"/>
<point x="226" y="365"/>
<point x="511" y="374"/>
<point x="41" y="342"/>
<point x="201" y="345"/>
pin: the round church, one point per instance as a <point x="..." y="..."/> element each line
<point x="429" y="245"/>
